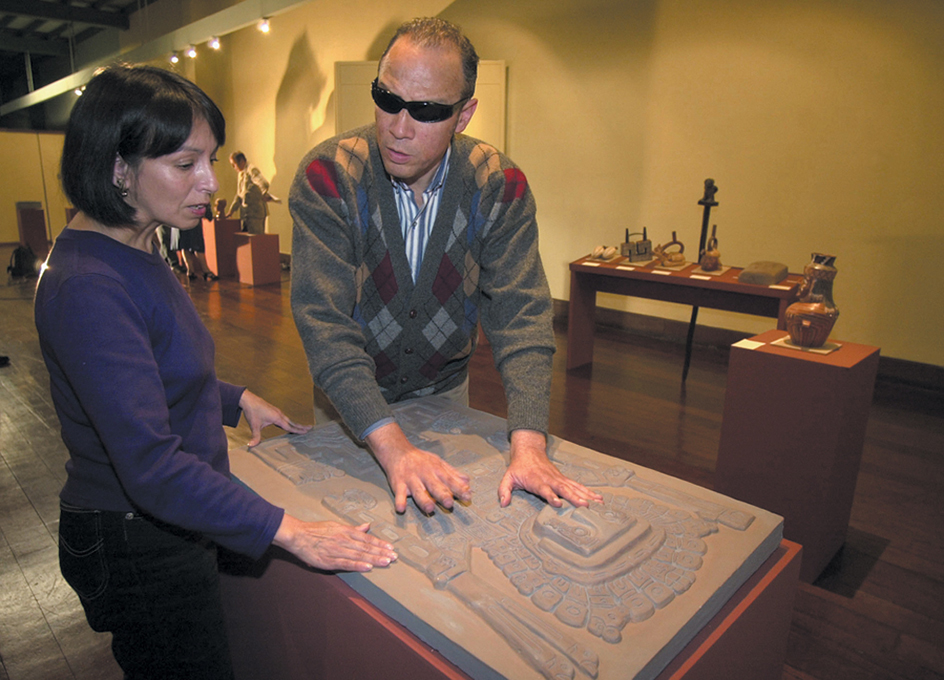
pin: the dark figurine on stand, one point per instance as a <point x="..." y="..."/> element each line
<point x="708" y="201"/>
<point x="710" y="191"/>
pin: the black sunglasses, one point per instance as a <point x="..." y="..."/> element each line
<point x="424" y="112"/>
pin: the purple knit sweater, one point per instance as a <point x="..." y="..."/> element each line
<point x="133" y="382"/>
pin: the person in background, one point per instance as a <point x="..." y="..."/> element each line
<point x="407" y="235"/>
<point x="252" y="194"/>
<point x="148" y="494"/>
<point x="168" y="239"/>
<point x="194" y="252"/>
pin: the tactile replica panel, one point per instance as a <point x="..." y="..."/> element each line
<point x="528" y="591"/>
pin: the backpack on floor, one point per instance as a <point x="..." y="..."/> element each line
<point x="22" y="262"/>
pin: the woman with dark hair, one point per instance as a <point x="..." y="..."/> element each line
<point x="148" y="494"/>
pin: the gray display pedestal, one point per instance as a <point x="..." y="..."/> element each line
<point x="614" y="591"/>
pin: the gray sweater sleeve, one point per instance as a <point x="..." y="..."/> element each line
<point x="324" y="292"/>
<point x="517" y="314"/>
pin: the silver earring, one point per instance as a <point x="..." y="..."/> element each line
<point x="121" y="189"/>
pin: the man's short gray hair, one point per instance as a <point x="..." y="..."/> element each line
<point x="436" y="32"/>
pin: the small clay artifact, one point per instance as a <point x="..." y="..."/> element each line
<point x="710" y="257"/>
<point x="604" y="253"/>
<point x="670" y="258"/>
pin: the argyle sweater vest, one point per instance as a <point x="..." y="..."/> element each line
<point x="481" y="264"/>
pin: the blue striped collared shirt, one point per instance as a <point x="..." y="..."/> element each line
<point x="417" y="223"/>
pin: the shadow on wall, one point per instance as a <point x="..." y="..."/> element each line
<point x="578" y="85"/>
<point x="300" y="93"/>
<point x="376" y="49"/>
<point x="304" y="85"/>
<point x="582" y="32"/>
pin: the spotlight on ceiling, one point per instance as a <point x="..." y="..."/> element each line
<point x="264" y="25"/>
<point x="79" y="90"/>
<point x="192" y="52"/>
<point x="173" y="58"/>
<point x="214" y="43"/>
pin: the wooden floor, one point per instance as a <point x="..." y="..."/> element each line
<point x="878" y="612"/>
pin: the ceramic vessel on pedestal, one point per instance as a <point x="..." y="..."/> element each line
<point x="811" y="318"/>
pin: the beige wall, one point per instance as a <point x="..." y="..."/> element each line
<point x="822" y="122"/>
<point x="31" y="160"/>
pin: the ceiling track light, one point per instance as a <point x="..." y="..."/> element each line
<point x="192" y="52"/>
<point x="214" y="43"/>
<point x="173" y="58"/>
<point x="264" y="25"/>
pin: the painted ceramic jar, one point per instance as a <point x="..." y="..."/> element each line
<point x="811" y="318"/>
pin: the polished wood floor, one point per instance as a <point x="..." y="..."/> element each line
<point x="878" y="612"/>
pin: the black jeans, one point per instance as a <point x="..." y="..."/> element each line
<point x="153" y="586"/>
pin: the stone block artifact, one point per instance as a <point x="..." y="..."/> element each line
<point x="763" y="273"/>
<point x="614" y="590"/>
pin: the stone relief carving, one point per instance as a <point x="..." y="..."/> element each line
<point x="600" y="568"/>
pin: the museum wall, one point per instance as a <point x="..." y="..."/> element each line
<point x="32" y="161"/>
<point x="820" y="121"/>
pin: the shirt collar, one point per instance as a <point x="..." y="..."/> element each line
<point x="436" y="182"/>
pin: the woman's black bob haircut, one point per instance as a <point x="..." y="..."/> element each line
<point x="132" y="112"/>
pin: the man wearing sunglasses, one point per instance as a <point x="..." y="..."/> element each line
<point x="407" y="235"/>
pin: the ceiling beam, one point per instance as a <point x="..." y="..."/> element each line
<point x="52" y="48"/>
<point x="234" y="18"/>
<point x="51" y="10"/>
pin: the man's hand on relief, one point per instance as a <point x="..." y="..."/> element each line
<point x="417" y="473"/>
<point x="531" y="470"/>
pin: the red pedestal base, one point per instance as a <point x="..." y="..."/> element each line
<point x="792" y="436"/>
<point x="291" y="623"/>
<point x="31" y="223"/>
<point x="257" y="258"/>
<point x="220" y="243"/>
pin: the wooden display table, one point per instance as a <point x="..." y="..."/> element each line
<point x="257" y="258"/>
<point x="220" y="243"/>
<point x="792" y="436"/>
<point x="289" y="623"/>
<point x="620" y="277"/>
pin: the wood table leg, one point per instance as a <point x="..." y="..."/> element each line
<point x="688" y="343"/>
<point x="782" y="314"/>
<point x="581" y="317"/>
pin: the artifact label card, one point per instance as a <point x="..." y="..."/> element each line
<point x="528" y="591"/>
